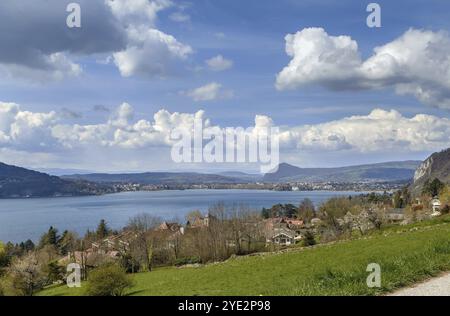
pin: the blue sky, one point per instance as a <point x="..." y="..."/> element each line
<point x="250" y="34"/>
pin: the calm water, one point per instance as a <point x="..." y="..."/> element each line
<point x="29" y="218"/>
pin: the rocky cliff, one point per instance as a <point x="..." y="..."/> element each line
<point x="435" y="166"/>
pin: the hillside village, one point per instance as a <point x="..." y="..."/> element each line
<point x="266" y="233"/>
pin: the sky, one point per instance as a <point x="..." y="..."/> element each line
<point x="105" y="96"/>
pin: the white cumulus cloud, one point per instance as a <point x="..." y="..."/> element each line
<point x="26" y="130"/>
<point x="123" y="137"/>
<point x="219" y="63"/>
<point x="138" y="11"/>
<point x="417" y="63"/>
<point x="210" y="92"/>
<point x="380" y="131"/>
<point x="150" y="52"/>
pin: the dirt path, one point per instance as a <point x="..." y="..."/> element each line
<point x="439" y="286"/>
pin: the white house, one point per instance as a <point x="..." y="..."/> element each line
<point x="282" y="236"/>
<point x="436" y="207"/>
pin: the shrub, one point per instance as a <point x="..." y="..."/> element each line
<point x="162" y="257"/>
<point x="54" y="272"/>
<point x="309" y="239"/>
<point x="187" y="260"/>
<point x="3" y="256"/>
<point x="109" y="280"/>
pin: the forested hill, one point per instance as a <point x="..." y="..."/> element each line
<point x="381" y="172"/>
<point x="16" y="182"/>
<point x="157" y="178"/>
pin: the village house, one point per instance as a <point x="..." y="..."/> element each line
<point x="436" y="207"/>
<point x="283" y="231"/>
<point x="171" y="227"/>
<point x="282" y="236"/>
<point x="168" y="234"/>
<point x="201" y="222"/>
<point x="120" y="242"/>
<point x="294" y="223"/>
<point x="89" y="257"/>
<point x="110" y="247"/>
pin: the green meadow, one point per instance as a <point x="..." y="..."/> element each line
<point x="406" y="254"/>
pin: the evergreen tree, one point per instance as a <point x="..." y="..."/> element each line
<point x="54" y="272"/>
<point x="102" y="230"/>
<point x="265" y="213"/>
<point x="67" y="242"/>
<point x="308" y="239"/>
<point x="53" y="236"/>
<point x="433" y="188"/>
<point x="50" y="238"/>
<point x="29" y="245"/>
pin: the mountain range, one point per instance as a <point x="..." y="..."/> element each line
<point x="16" y="182"/>
<point x="381" y="172"/>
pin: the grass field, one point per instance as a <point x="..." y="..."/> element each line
<point x="406" y="255"/>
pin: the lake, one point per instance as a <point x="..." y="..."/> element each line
<point x="22" y="219"/>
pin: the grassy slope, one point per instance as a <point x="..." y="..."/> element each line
<point x="406" y="255"/>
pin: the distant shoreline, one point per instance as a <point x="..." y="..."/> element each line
<point x="183" y="190"/>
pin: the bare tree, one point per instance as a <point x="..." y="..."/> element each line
<point x="139" y="252"/>
<point x="143" y="222"/>
<point x="306" y="211"/>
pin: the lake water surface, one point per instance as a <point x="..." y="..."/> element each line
<point x="23" y="219"/>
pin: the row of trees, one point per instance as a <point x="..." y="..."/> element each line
<point x="306" y="211"/>
<point x="229" y="231"/>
